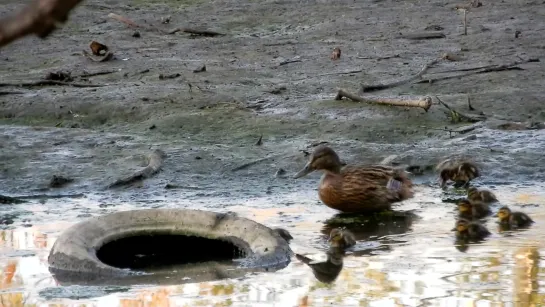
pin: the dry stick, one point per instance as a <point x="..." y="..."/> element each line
<point x="329" y="74"/>
<point x="4" y="93"/>
<point x="49" y="82"/>
<point x="424" y="102"/>
<point x="378" y="87"/>
<point x="155" y="162"/>
<point x="465" y="21"/>
<point x="422" y="35"/>
<point x="195" y="32"/>
<point x="98" y="73"/>
<point x="41" y="18"/>
<point x="483" y="71"/>
<point x="461" y="116"/>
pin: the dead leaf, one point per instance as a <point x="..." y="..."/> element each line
<point x="336" y="54"/>
<point x="97" y="48"/>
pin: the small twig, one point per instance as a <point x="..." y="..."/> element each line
<point x="49" y="82"/>
<point x="259" y="141"/>
<point x="458" y="116"/>
<point x="3" y="93"/>
<point x="195" y="32"/>
<point x="155" y="162"/>
<point x="469" y="103"/>
<point x="98" y="73"/>
<point x="422" y="35"/>
<point x="378" y="58"/>
<point x="252" y="163"/>
<point x="289" y="62"/>
<point x="51" y="196"/>
<point x="124" y="20"/>
<point x="329" y="74"/>
<point x="424" y="102"/>
<point x="378" y="87"/>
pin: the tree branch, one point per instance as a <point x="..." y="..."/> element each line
<point x="41" y="18"/>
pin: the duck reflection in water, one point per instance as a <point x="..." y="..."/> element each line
<point x="327" y="271"/>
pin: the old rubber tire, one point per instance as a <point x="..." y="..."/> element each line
<point x="74" y="252"/>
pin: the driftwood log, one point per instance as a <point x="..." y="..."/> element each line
<point x="155" y="162"/>
<point x="424" y="102"/>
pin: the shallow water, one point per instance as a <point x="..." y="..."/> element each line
<point x="409" y="262"/>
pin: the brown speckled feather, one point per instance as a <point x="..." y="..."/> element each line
<point x="364" y="188"/>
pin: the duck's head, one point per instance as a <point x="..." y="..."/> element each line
<point x="503" y="213"/>
<point x="464" y="206"/>
<point x="461" y="225"/>
<point x="336" y="236"/>
<point x="444" y="176"/>
<point x="323" y="158"/>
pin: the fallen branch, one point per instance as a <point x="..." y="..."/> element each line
<point x="457" y="116"/>
<point x="10" y="200"/>
<point x="484" y="70"/>
<point x="378" y="87"/>
<point x="424" y="102"/>
<point x="98" y="73"/>
<point x="155" y="162"/>
<point x="41" y="18"/>
<point x="422" y="35"/>
<point x="49" y="82"/>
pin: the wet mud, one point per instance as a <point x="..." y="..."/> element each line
<point x="209" y="133"/>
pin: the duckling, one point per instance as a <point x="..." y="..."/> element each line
<point x="470" y="230"/>
<point x="284" y="234"/>
<point x="460" y="172"/>
<point x="472" y="210"/>
<point x="341" y="238"/>
<point x="486" y="196"/>
<point x="354" y="188"/>
<point x="513" y="219"/>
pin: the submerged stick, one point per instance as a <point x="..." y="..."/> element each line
<point x="424" y="102"/>
<point x="50" y="83"/>
<point x="378" y="87"/>
<point x="155" y="162"/>
<point x="10" y="200"/>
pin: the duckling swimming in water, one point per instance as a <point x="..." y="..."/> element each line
<point x="485" y="196"/>
<point x="513" y="219"/>
<point x="460" y="172"/>
<point x="283" y="233"/>
<point x="472" y="210"/>
<point x="341" y="238"/>
<point x="470" y="230"/>
<point x="354" y="188"/>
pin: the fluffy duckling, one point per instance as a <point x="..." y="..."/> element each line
<point x="341" y="238"/>
<point x="472" y="210"/>
<point x="470" y="230"/>
<point x="284" y="234"/>
<point x="460" y="172"/>
<point x="485" y="196"/>
<point x="513" y="219"/>
<point x="354" y="188"/>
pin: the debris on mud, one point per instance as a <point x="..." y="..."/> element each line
<point x="124" y="20"/>
<point x="59" y="76"/>
<point x="200" y="69"/>
<point x="457" y="117"/>
<point x="59" y="181"/>
<point x="422" y="35"/>
<point x="259" y="141"/>
<point x="424" y="102"/>
<point x="10" y="200"/>
<point x="195" y="32"/>
<point x="155" y="162"/>
<point x="170" y="76"/>
<point x="99" y="50"/>
<point x="336" y="54"/>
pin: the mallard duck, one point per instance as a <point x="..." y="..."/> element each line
<point x="355" y="188"/>
<point x="485" y="196"/>
<point x="341" y="238"/>
<point x="461" y="172"/>
<point x="470" y="230"/>
<point x="283" y="233"/>
<point x="513" y="219"/>
<point x="471" y="210"/>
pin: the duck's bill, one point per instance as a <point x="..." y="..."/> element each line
<point x="305" y="171"/>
